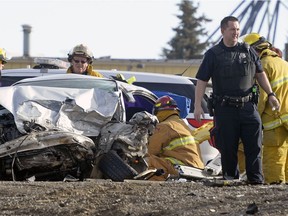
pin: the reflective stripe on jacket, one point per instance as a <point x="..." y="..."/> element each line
<point x="172" y="138"/>
<point x="174" y="161"/>
<point x="180" y="142"/>
<point x="280" y="120"/>
<point x="276" y="70"/>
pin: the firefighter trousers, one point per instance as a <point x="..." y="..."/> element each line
<point x="275" y="155"/>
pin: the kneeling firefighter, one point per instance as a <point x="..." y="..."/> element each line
<point x="172" y="142"/>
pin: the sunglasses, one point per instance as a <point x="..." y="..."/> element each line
<point x="78" y="61"/>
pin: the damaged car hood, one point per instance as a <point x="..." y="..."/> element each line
<point x="70" y="102"/>
<point x="82" y="111"/>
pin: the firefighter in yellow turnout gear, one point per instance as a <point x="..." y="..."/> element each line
<point x="172" y="142"/>
<point x="81" y="59"/>
<point x="275" y="121"/>
<point x="3" y="58"/>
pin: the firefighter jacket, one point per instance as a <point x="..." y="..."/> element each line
<point x="172" y="140"/>
<point x="89" y="71"/>
<point x="202" y="133"/>
<point x="276" y="70"/>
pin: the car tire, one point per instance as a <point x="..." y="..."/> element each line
<point x="114" y="168"/>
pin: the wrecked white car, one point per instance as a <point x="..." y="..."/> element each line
<point x="58" y="126"/>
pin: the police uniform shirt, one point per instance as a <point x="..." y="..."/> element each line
<point x="208" y="64"/>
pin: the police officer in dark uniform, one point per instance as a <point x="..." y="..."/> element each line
<point x="233" y="68"/>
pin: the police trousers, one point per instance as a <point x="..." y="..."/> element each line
<point x="232" y="124"/>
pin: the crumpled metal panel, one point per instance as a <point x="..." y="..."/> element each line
<point x="82" y="111"/>
<point x="131" y="138"/>
<point x="47" y="155"/>
<point x="45" y="139"/>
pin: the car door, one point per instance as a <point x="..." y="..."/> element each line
<point x="136" y="99"/>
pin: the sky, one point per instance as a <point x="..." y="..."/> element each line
<point x="121" y="29"/>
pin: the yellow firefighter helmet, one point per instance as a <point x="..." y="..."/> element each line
<point x="257" y="41"/>
<point x="81" y="50"/>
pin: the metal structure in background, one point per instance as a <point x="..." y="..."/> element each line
<point x="256" y="16"/>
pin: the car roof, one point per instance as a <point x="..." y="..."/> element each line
<point x="29" y="72"/>
<point x="148" y="76"/>
<point x="140" y="76"/>
<point x="56" y="77"/>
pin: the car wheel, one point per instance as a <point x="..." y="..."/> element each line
<point x="113" y="167"/>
